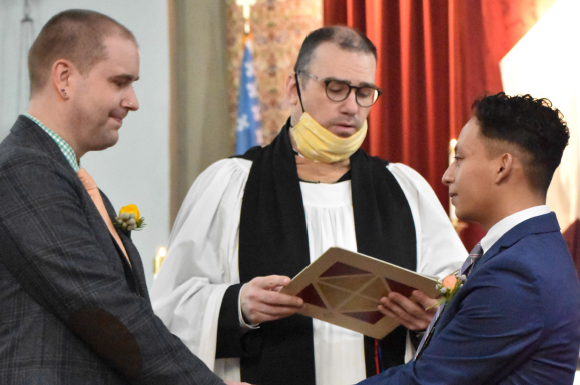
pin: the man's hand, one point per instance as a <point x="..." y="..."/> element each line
<point x="261" y="301"/>
<point x="409" y="311"/>
<point x="229" y="382"/>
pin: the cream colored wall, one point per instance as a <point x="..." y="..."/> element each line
<point x="544" y="63"/>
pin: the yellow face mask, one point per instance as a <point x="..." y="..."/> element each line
<point x="317" y="143"/>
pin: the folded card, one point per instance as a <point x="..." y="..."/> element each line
<point x="344" y="288"/>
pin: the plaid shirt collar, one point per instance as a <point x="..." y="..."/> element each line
<point x="67" y="150"/>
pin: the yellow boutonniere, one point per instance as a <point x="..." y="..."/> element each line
<point x="129" y="219"/>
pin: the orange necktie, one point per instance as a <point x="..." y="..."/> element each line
<point x="93" y="191"/>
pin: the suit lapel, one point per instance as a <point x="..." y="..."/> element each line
<point x="134" y="272"/>
<point x="540" y="224"/>
<point x="136" y="263"/>
<point x="31" y="135"/>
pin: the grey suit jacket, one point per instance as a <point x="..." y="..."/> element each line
<point x="72" y="310"/>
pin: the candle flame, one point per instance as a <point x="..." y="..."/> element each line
<point x="158" y="260"/>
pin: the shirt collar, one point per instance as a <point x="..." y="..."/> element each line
<point x="508" y="223"/>
<point x="66" y="150"/>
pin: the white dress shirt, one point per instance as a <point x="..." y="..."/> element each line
<point x="508" y="223"/>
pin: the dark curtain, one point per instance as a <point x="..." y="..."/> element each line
<point x="435" y="58"/>
<point x="572" y="237"/>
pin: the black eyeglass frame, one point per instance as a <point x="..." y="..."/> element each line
<point x="350" y="88"/>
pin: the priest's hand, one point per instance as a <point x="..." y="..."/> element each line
<point x="261" y="301"/>
<point x="409" y="311"/>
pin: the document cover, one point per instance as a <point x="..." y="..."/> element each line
<point x="344" y="288"/>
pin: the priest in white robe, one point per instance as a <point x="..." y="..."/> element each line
<point x="276" y="209"/>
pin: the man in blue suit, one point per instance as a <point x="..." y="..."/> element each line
<point x="516" y="319"/>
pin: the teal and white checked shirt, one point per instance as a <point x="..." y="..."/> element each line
<point x="67" y="150"/>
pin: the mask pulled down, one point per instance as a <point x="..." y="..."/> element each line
<point x="317" y="143"/>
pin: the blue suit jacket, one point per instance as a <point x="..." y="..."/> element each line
<point x="72" y="310"/>
<point x="515" y="321"/>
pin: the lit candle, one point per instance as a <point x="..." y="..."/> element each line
<point x="158" y="260"/>
<point x="246" y="8"/>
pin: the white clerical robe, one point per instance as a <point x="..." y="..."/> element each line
<point x="202" y="260"/>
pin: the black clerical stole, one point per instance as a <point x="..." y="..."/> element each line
<point x="274" y="240"/>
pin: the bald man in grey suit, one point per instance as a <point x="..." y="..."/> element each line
<point x="74" y="306"/>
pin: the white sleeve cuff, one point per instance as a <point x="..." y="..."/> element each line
<point x="243" y="323"/>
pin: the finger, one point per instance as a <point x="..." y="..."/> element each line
<point x="252" y="297"/>
<point x="257" y="312"/>
<point x="408" y="305"/>
<point x="388" y="313"/>
<point x="415" y="312"/>
<point x="415" y="320"/>
<point x="271" y="314"/>
<point x="272" y="281"/>
<point x="394" y="308"/>
<point x="409" y="323"/>
<point x="276" y="311"/>
<point x="424" y="300"/>
<point x="279" y="299"/>
<point x="277" y="288"/>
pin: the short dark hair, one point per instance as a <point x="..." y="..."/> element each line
<point x="346" y="38"/>
<point x="77" y="35"/>
<point x="532" y="125"/>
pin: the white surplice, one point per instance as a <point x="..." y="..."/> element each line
<point x="202" y="260"/>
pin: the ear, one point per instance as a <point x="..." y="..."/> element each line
<point x="61" y="74"/>
<point x="505" y="167"/>
<point x="291" y="91"/>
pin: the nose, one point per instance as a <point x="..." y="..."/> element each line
<point x="448" y="176"/>
<point x="349" y="105"/>
<point x="130" y="101"/>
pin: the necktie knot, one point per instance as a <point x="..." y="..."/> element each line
<point x="475" y="254"/>
<point x="477" y="250"/>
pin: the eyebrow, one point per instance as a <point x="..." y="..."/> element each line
<point x="362" y="84"/>
<point x="125" y="77"/>
<point x="456" y="149"/>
